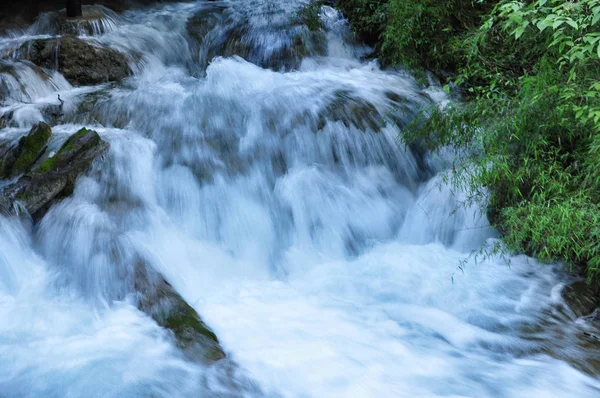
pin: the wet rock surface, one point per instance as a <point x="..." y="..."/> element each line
<point x="53" y="179"/>
<point x="29" y="149"/>
<point x="217" y="30"/>
<point x="582" y="298"/>
<point x="159" y="300"/>
<point x="78" y="61"/>
<point x="352" y="111"/>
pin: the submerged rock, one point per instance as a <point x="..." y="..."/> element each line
<point x="216" y="30"/>
<point x="159" y="300"/>
<point x="78" y="61"/>
<point x="54" y="179"/>
<point x="351" y="110"/>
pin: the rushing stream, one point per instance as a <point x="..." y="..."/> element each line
<point x="272" y="193"/>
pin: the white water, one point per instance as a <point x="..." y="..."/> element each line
<point x="326" y="258"/>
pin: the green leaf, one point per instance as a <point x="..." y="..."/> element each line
<point x="572" y="23"/>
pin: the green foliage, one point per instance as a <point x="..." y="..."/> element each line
<point x="568" y="229"/>
<point x="528" y="143"/>
<point x="574" y="32"/>
<point x="368" y="17"/>
<point x="414" y="33"/>
<point x="426" y="33"/>
<point x="310" y="15"/>
<point x="529" y="137"/>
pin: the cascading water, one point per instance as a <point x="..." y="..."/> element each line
<point x="255" y="164"/>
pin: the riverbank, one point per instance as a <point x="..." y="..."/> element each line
<point x="530" y="126"/>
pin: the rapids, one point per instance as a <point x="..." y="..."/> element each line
<point x="256" y="165"/>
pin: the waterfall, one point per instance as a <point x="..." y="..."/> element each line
<point x="255" y="164"/>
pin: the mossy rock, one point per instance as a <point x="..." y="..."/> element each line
<point x="7" y="157"/>
<point x="55" y="178"/>
<point x="193" y="336"/>
<point x="30" y="148"/>
<point x="83" y="140"/>
<point x="158" y="299"/>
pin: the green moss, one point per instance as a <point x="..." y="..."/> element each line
<point x="183" y="319"/>
<point x="187" y="326"/>
<point x="53" y="162"/>
<point x="49" y="164"/>
<point x="30" y="148"/>
<point x="69" y="144"/>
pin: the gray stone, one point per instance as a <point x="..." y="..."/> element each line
<point x="80" y="62"/>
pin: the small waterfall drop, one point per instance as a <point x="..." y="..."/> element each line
<point x="255" y="164"/>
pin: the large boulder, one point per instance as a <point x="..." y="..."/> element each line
<point x="54" y="178"/>
<point x="80" y="62"/>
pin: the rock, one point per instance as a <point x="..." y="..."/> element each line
<point x="16" y="160"/>
<point x="7" y="158"/>
<point x="159" y="300"/>
<point x="79" y="62"/>
<point x="352" y="111"/>
<point x="30" y="148"/>
<point x="205" y="20"/>
<point x="215" y="32"/>
<point x="55" y="177"/>
<point x="52" y="113"/>
<point x="581" y="298"/>
<point x="90" y="109"/>
<point x="4" y="91"/>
